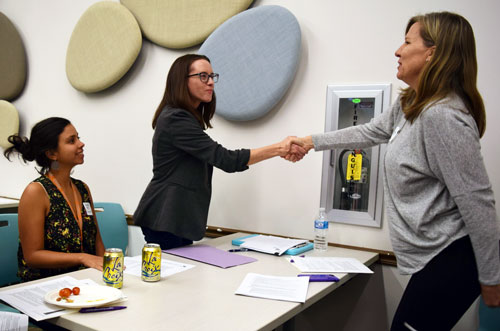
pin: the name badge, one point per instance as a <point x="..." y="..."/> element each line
<point x="88" y="209"/>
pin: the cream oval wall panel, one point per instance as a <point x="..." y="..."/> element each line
<point x="103" y="46"/>
<point x="182" y="23"/>
<point x="9" y="122"/>
<point x="12" y="60"/>
<point x="256" y="54"/>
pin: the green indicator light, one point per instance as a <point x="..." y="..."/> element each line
<point x="356" y="100"/>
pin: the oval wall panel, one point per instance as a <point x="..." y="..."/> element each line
<point x="103" y="46"/>
<point x="9" y="122"/>
<point x="256" y="54"/>
<point x="182" y="23"/>
<point x="12" y="60"/>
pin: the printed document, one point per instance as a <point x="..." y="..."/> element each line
<point x="134" y="266"/>
<point x="330" y="264"/>
<point x="271" y="244"/>
<point x="13" y="321"/>
<point x="273" y="287"/>
<point x="30" y="299"/>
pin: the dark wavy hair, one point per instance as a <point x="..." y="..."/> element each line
<point x="44" y="137"/>
<point x="177" y="95"/>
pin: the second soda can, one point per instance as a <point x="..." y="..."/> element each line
<point x="151" y="263"/>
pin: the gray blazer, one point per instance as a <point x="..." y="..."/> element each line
<point x="178" y="197"/>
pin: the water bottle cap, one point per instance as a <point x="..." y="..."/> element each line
<point x="322" y="209"/>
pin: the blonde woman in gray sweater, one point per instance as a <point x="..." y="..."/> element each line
<point x="438" y="198"/>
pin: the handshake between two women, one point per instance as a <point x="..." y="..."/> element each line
<point x="295" y="148"/>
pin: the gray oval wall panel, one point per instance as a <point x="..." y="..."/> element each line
<point x="13" y="65"/>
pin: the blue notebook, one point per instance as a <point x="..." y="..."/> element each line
<point x="291" y="251"/>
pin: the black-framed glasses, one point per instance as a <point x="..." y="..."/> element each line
<point x="204" y="77"/>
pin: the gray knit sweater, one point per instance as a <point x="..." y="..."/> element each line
<point x="436" y="188"/>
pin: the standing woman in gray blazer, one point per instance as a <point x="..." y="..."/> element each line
<point x="173" y="210"/>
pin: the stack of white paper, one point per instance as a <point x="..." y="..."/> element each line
<point x="271" y="244"/>
<point x="29" y="299"/>
<point x="168" y="267"/>
<point x="273" y="287"/>
<point x="13" y="321"/>
<point x="330" y="264"/>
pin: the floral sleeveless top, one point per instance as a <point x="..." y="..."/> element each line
<point x="62" y="233"/>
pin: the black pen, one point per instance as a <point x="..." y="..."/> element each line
<point x="238" y="250"/>
<point x="98" y="309"/>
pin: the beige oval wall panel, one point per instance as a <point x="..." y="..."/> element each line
<point x="9" y="122"/>
<point x="12" y="60"/>
<point x="103" y="46"/>
<point x="182" y="23"/>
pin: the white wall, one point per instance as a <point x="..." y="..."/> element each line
<point x="343" y="42"/>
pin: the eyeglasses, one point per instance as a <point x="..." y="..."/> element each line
<point x="204" y="77"/>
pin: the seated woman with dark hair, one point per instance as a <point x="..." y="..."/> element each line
<point x="57" y="226"/>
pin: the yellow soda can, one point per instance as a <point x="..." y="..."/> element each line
<point x="112" y="269"/>
<point x="151" y="262"/>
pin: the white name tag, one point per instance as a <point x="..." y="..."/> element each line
<point x="88" y="209"/>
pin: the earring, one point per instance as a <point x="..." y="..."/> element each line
<point x="54" y="165"/>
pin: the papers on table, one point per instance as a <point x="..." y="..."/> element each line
<point x="273" y="287"/>
<point x="211" y="255"/>
<point x="134" y="266"/>
<point x="271" y="244"/>
<point x="30" y="299"/>
<point x="330" y="264"/>
<point x="13" y="321"/>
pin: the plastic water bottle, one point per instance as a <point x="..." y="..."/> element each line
<point x="320" y="231"/>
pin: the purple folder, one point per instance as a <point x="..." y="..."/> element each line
<point x="211" y="255"/>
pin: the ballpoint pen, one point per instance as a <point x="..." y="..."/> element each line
<point x="238" y="250"/>
<point x="320" y="278"/>
<point x="301" y="245"/>
<point x="98" y="309"/>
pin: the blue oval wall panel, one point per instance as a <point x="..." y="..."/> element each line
<point x="256" y="54"/>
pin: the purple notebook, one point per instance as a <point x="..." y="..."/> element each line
<point x="211" y="255"/>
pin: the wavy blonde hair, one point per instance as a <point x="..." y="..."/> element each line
<point x="452" y="68"/>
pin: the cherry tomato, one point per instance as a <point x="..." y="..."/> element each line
<point x="65" y="292"/>
<point x="76" y="290"/>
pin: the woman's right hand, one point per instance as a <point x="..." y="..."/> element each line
<point x="92" y="261"/>
<point x="491" y="295"/>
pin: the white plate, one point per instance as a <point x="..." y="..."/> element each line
<point x="90" y="296"/>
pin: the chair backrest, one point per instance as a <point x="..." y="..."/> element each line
<point x="112" y="225"/>
<point x="489" y="318"/>
<point x="9" y="243"/>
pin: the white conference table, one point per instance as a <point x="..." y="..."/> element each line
<point x="202" y="298"/>
<point x="8" y="202"/>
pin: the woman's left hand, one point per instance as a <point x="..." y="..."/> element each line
<point x="491" y="295"/>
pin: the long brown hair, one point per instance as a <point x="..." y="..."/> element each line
<point x="452" y="68"/>
<point x="177" y="95"/>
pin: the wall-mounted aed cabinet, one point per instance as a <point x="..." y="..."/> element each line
<point x="351" y="186"/>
